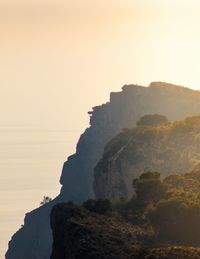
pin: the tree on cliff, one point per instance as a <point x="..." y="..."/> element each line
<point x="152" y="119"/>
<point x="149" y="187"/>
<point x="45" y="200"/>
<point x="177" y="219"/>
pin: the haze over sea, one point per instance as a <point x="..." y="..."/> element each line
<point x="31" y="159"/>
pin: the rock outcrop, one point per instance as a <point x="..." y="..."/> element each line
<point x="166" y="148"/>
<point x="34" y="240"/>
<point x="107" y="120"/>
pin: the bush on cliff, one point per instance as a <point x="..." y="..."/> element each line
<point x="171" y="206"/>
<point x="177" y="220"/>
<point x="45" y="200"/>
<point x="149" y="188"/>
<point x="152" y="119"/>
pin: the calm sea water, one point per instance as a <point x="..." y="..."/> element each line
<point x="31" y="161"/>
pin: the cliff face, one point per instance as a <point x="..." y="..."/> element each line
<point x="167" y="148"/>
<point x="107" y="120"/>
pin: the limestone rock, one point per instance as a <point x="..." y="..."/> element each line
<point x="107" y="120"/>
<point x="166" y="148"/>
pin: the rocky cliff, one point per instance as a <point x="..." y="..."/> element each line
<point x="122" y="111"/>
<point x="34" y="240"/>
<point x="166" y="148"/>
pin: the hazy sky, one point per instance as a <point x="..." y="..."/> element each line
<point x="58" y="58"/>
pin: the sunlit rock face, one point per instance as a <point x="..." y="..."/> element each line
<point x="166" y="148"/>
<point x="34" y="240"/>
<point x="123" y="110"/>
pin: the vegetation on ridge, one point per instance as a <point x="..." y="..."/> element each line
<point x="165" y="147"/>
<point x="161" y="221"/>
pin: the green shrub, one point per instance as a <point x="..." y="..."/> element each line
<point x="177" y="220"/>
<point x="152" y="119"/>
<point x="149" y="188"/>
<point x="45" y="200"/>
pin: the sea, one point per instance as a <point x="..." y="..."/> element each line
<point x="31" y="160"/>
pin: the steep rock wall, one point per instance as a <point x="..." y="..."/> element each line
<point x="168" y="148"/>
<point x="34" y="240"/>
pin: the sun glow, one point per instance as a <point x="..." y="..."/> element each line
<point x="59" y="58"/>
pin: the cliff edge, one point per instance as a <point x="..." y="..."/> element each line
<point x="34" y="239"/>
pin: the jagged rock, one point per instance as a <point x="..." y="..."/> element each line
<point x="107" y="120"/>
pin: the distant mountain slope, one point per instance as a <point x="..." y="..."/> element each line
<point x="33" y="241"/>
